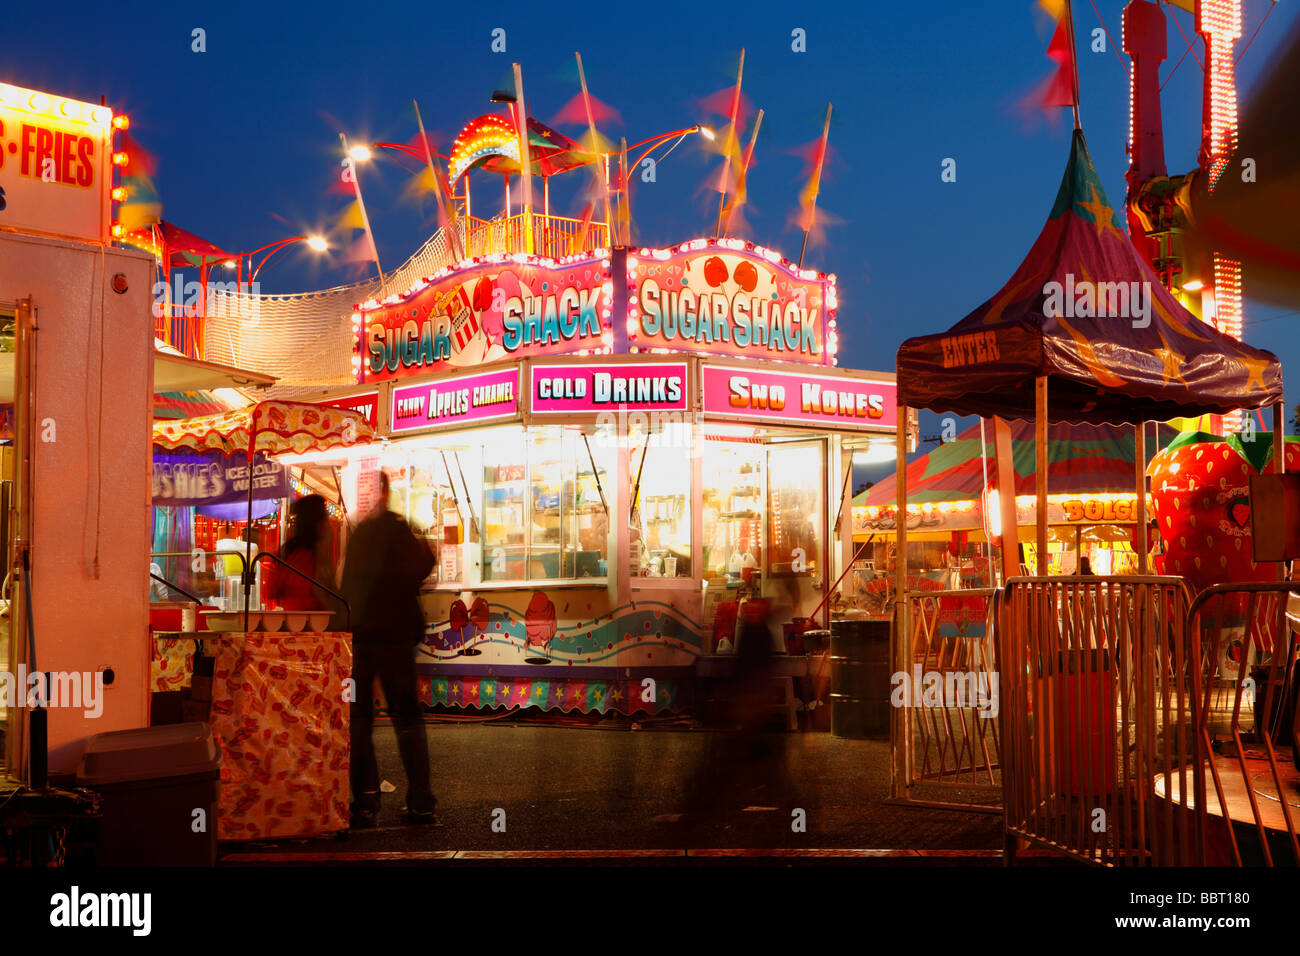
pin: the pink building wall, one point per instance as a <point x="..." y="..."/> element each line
<point x="90" y="533"/>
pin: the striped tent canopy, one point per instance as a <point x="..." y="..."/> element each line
<point x="171" y="406"/>
<point x="1082" y="459"/>
<point x="272" y="428"/>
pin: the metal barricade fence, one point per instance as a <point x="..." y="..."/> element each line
<point x="1249" y="731"/>
<point x="945" y="692"/>
<point x="1100" y="703"/>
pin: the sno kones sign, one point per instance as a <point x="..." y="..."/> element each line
<point x="728" y="297"/>
<point x="486" y="313"/>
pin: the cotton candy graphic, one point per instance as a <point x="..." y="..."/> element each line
<point x="539" y="620"/>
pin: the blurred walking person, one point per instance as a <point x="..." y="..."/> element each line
<point x="382" y="572"/>
<point x="745" y="762"/>
<point x="305" y="552"/>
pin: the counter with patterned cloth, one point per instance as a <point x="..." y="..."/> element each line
<point x="280" y="715"/>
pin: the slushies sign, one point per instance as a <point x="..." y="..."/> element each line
<point x="727" y="297"/>
<point x="488" y="312"/>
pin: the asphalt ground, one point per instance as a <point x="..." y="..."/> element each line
<point x="535" y="790"/>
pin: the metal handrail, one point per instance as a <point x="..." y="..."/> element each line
<point x="1214" y="590"/>
<point x="185" y="554"/>
<point x="324" y="587"/>
<point x="1281" y="661"/>
<point x="177" y="588"/>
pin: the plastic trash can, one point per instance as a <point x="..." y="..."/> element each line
<point x="151" y="782"/>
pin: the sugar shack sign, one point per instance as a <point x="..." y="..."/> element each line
<point x="486" y="313"/>
<point x="56" y="165"/>
<point x="725" y="300"/>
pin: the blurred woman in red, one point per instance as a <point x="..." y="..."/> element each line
<point x="287" y="590"/>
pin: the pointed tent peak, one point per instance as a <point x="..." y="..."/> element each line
<point x="1085" y="310"/>
<point x="1081" y="189"/>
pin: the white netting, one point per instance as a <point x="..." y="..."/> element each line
<point x="304" y="339"/>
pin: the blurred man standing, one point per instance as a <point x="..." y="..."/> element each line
<point x="382" y="572"/>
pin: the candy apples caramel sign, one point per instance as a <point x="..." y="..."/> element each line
<point x="484" y="313"/>
<point x="723" y="298"/>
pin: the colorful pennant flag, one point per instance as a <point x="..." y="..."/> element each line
<point x="142" y="206"/>
<point x="1061" y="88"/>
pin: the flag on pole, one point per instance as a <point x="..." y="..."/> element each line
<point x="728" y="177"/>
<point x="362" y="249"/>
<point x="808" y="195"/>
<point x="730" y="220"/>
<point x="1061" y="88"/>
<point x="351" y="218"/>
<point x="142" y="206"/>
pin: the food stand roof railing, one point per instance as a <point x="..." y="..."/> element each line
<point x="1084" y="331"/>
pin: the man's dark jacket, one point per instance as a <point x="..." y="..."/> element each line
<point x="382" y="572"/>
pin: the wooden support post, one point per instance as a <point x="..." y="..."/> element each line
<point x="901" y="776"/>
<point x="1006" y="472"/>
<point x="1279" y="438"/>
<point x="1140" y="469"/>
<point x="900" y="499"/>
<point x="1040" y="472"/>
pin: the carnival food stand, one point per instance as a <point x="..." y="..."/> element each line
<point x="278" y="695"/>
<point x="609" y="453"/>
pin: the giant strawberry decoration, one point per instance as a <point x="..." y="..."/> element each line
<point x="1200" y="496"/>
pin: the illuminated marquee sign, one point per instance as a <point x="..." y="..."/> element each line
<point x="566" y="389"/>
<point x="56" y="165"/>
<point x="1093" y="510"/>
<point x="460" y="400"/>
<point x="756" y="394"/>
<point x="489" y="311"/>
<point x="727" y="297"/>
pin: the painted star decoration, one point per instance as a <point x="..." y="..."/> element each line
<point x="1254" y="370"/>
<point x="1102" y="213"/>
<point x="1171" y="360"/>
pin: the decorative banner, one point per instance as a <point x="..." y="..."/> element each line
<point x="969" y="515"/>
<point x="727" y="297"/>
<point x="487" y="312"/>
<point x="755" y="394"/>
<point x="212" y="478"/>
<point x="367" y="404"/>
<point x="456" y="401"/>
<point x="565" y="389"/>
<point x="56" y="170"/>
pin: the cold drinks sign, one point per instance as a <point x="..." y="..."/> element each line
<point x="56" y="165"/>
